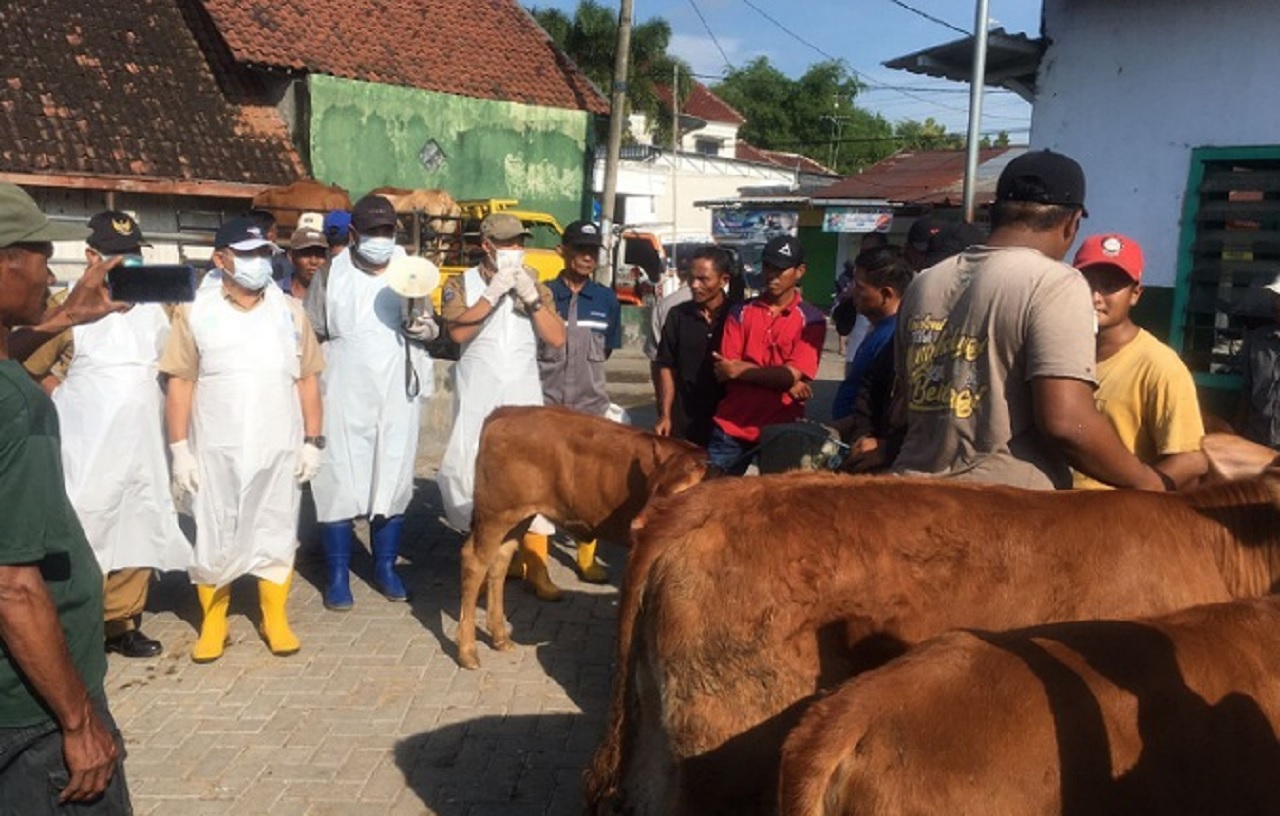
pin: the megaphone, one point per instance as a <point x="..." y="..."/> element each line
<point x="413" y="278"/>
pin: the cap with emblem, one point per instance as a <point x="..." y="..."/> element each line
<point x="782" y="252"/>
<point x="243" y="234"/>
<point x="502" y="226"/>
<point x="371" y="212"/>
<point x="115" y="233"/>
<point x="582" y="233"/>
<point x="1111" y="249"/>
<point x="924" y="228"/>
<point x="307" y="238"/>
<point x="21" y="221"/>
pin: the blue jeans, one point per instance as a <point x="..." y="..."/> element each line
<point x="33" y="772"/>
<point x="728" y="453"/>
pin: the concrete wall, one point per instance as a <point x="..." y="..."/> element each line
<point x="365" y="135"/>
<point x="1130" y="87"/>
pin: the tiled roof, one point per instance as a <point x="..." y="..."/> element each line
<point x="124" y="89"/>
<point x="792" y="161"/>
<point x="703" y="104"/>
<point x="922" y="177"/>
<point x="484" y="49"/>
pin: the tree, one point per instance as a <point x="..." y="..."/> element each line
<point x="590" y="39"/>
<point x="808" y="115"/>
<point x="926" y="135"/>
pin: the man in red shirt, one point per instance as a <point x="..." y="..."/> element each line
<point x="767" y="358"/>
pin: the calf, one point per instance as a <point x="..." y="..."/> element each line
<point x="588" y="475"/>
<point x="1174" y="715"/>
<point x="746" y="597"/>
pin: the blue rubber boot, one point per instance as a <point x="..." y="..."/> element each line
<point x="386" y="546"/>
<point x="337" y="537"/>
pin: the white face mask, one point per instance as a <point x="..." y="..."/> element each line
<point x="253" y="272"/>
<point x="376" y="251"/>
<point x="512" y="259"/>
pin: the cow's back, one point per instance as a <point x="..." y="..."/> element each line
<point x="770" y="589"/>
<point x="1172" y="716"/>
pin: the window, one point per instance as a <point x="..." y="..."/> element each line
<point x="1229" y="248"/>
<point x="707" y="147"/>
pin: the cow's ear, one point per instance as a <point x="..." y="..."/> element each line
<point x="1233" y="457"/>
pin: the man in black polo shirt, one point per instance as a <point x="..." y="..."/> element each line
<point x="691" y="332"/>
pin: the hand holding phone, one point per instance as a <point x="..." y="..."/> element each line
<point x="153" y="283"/>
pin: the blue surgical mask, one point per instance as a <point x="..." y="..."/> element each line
<point x="375" y="250"/>
<point x="252" y="271"/>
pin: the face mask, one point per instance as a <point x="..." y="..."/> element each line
<point x="252" y="272"/>
<point x="512" y="259"/>
<point x="376" y="251"/>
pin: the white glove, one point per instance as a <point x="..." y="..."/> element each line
<point x="422" y="328"/>
<point x="499" y="285"/>
<point x="308" y="463"/>
<point x="526" y="288"/>
<point x="185" y="479"/>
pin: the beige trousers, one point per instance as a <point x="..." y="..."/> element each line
<point x="124" y="594"/>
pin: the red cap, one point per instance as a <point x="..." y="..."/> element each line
<point x="1111" y="249"/>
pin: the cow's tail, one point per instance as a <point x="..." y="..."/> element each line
<point x="600" y="783"/>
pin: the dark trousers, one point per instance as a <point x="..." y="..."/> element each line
<point x="33" y="773"/>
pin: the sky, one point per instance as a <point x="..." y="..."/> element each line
<point x="864" y="33"/>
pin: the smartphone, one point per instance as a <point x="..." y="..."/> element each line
<point x="153" y="283"/>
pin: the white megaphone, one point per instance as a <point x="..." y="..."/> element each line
<point x="413" y="278"/>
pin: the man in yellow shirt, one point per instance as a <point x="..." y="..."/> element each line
<point x="1144" y="389"/>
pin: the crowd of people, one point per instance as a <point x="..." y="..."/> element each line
<point x="969" y="356"/>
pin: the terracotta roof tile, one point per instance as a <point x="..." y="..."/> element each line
<point x="124" y="89"/>
<point x="792" y="161"/>
<point x="703" y="104"/>
<point x="485" y="49"/>
<point x="913" y="176"/>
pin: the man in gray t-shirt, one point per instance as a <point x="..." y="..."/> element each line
<point x="995" y="349"/>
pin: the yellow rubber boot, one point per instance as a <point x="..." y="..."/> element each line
<point x="275" y="623"/>
<point x="535" y="567"/>
<point x="589" y="569"/>
<point x="214" y="602"/>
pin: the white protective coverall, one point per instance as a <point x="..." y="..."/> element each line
<point x="246" y="429"/>
<point x="111" y="411"/>
<point x="370" y="421"/>
<point x="498" y="366"/>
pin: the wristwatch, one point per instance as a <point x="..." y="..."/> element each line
<point x="533" y="307"/>
<point x="317" y="441"/>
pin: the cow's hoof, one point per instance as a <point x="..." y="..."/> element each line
<point x="503" y="645"/>
<point x="468" y="659"/>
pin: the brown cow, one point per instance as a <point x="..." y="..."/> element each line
<point x="748" y="596"/>
<point x="307" y="195"/>
<point x="586" y="474"/>
<point x="1174" y="715"/>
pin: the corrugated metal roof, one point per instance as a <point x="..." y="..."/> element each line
<point x="922" y="177"/>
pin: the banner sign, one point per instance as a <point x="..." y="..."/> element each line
<point x="752" y="225"/>
<point x="856" y="219"/>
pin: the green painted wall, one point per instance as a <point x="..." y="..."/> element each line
<point x="820" y="250"/>
<point x="365" y="135"/>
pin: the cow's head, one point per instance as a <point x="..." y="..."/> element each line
<point x="676" y="474"/>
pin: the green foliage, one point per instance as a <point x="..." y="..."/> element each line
<point x="926" y="135"/>
<point x="590" y="40"/>
<point x="808" y="114"/>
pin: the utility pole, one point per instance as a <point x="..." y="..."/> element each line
<point x="617" y="118"/>
<point x="675" y="164"/>
<point x="977" y="82"/>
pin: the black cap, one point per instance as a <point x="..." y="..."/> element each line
<point x="952" y="239"/>
<point x="782" y="252"/>
<point x="1042" y="177"/>
<point x="924" y="228"/>
<point x="243" y="234"/>
<point x="582" y="233"/>
<point x="371" y="212"/>
<point x="115" y="233"/>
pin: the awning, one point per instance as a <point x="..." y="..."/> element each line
<point x="1013" y="61"/>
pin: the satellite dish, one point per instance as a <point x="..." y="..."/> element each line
<point x="411" y="276"/>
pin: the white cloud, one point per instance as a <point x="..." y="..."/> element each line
<point x="703" y="56"/>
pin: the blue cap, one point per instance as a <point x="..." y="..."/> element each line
<point x="336" y="226"/>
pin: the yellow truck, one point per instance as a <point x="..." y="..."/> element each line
<point x="453" y="243"/>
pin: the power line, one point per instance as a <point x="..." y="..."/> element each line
<point x="711" y="34"/>
<point x="930" y="17"/>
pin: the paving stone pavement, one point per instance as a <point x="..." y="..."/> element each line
<point x="373" y="716"/>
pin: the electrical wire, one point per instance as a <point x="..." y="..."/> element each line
<point x="711" y="34"/>
<point x="930" y="17"/>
